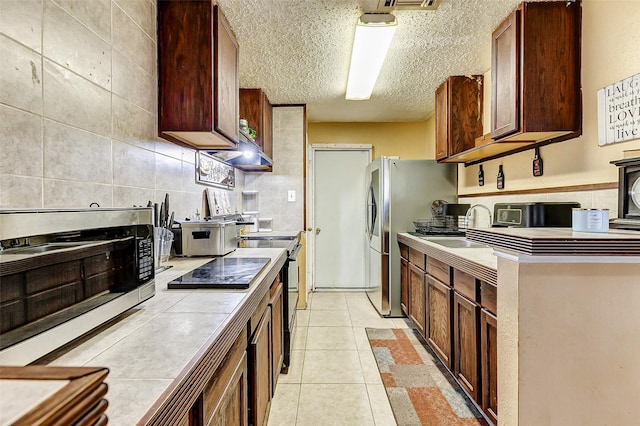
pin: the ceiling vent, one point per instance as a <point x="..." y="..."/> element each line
<point x="387" y="5"/>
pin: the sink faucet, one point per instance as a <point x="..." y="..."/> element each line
<point x="468" y="215"/>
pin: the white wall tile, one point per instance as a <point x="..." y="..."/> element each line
<point x="133" y="166"/>
<point x="72" y="194"/>
<point x="74" y="154"/>
<point x="74" y="46"/>
<point x="70" y="99"/>
<point x="133" y="83"/>
<point x="22" y="21"/>
<point x="20" y="142"/>
<point x="130" y="40"/>
<point x="20" y="192"/>
<point x="133" y="124"/>
<point x="95" y="14"/>
<point x="20" y="76"/>
<point x="142" y="12"/>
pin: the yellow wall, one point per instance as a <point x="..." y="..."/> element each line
<point x="408" y="140"/>
<point x="610" y="52"/>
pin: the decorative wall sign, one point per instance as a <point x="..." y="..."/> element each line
<point x="211" y="171"/>
<point x="619" y="111"/>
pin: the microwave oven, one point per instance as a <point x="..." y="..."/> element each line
<point x="65" y="272"/>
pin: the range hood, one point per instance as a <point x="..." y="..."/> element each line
<point x="247" y="156"/>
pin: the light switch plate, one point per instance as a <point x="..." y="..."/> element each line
<point x="291" y="196"/>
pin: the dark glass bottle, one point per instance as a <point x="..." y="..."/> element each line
<point x="500" y="180"/>
<point x="480" y="176"/>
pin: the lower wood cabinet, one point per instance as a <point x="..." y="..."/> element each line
<point x="277" y="332"/>
<point x="261" y="370"/>
<point x="466" y="360"/>
<point x="439" y="319"/>
<point x="489" y="364"/>
<point x="225" y="398"/>
<point x="404" y="286"/>
<point x="417" y="294"/>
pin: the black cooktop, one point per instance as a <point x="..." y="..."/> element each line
<point x="222" y="273"/>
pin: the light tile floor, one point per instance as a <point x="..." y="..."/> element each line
<point x="333" y="378"/>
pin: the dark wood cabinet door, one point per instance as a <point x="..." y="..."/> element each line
<point x="489" y="364"/>
<point x="197" y="75"/>
<point x="505" y="81"/>
<point x="261" y="366"/>
<point x="226" y="56"/>
<point x="277" y="332"/>
<point x="404" y="286"/>
<point x="233" y="405"/>
<point x="257" y="110"/>
<point x="439" y="319"/>
<point x="442" y="121"/>
<point x="417" y="302"/>
<point x="466" y="343"/>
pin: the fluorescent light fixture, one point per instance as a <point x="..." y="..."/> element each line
<point x="374" y="33"/>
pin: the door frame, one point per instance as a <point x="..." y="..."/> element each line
<point x="310" y="207"/>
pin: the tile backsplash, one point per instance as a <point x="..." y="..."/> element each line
<point x="595" y="199"/>
<point x="78" y="109"/>
<point x="288" y="172"/>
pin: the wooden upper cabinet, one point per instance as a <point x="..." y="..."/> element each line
<point x="505" y="105"/>
<point x="257" y="110"/>
<point x="198" y="98"/>
<point x="536" y="90"/>
<point x="458" y="115"/>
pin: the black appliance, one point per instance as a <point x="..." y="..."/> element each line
<point x="534" y="214"/>
<point x="65" y="272"/>
<point x="628" y="194"/>
<point x="290" y="281"/>
<point x="222" y="273"/>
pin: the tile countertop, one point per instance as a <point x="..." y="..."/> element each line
<point x="478" y="261"/>
<point x="149" y="346"/>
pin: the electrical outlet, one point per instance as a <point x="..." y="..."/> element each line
<point x="291" y="196"/>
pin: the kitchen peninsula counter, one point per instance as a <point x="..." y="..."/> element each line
<point x="153" y="350"/>
<point x="567" y="305"/>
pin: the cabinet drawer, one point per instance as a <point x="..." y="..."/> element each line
<point x="465" y="284"/>
<point x="417" y="258"/>
<point x="404" y="250"/>
<point x="439" y="270"/>
<point x="489" y="297"/>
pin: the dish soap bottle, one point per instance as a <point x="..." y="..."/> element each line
<point x="500" y="180"/>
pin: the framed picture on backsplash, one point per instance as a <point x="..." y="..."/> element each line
<point x="214" y="172"/>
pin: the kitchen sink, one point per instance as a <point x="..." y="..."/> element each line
<point x="456" y="243"/>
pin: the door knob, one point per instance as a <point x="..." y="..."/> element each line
<point x="318" y="231"/>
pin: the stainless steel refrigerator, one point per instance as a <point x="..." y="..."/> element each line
<point x="398" y="192"/>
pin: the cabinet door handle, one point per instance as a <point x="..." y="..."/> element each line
<point x="318" y="231"/>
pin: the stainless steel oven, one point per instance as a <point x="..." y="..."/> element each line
<point x="66" y="272"/>
<point x="290" y="281"/>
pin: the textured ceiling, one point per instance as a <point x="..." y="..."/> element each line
<point x="298" y="52"/>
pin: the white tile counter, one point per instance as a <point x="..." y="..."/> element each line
<point x="151" y="345"/>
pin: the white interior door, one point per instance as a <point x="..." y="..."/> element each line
<point x="339" y="222"/>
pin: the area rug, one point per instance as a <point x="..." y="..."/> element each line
<point x="420" y="389"/>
